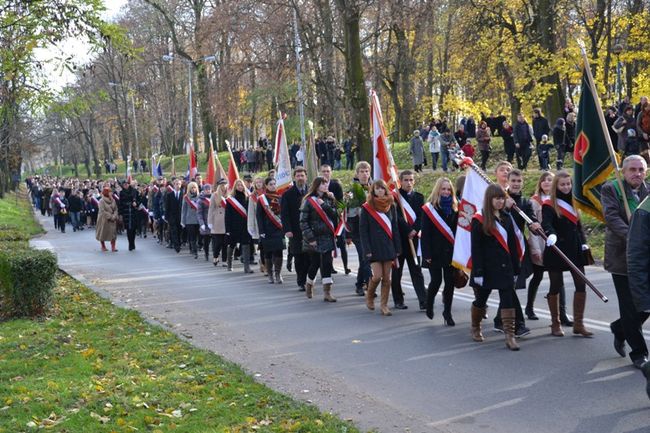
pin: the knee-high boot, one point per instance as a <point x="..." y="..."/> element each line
<point x="245" y="250"/>
<point x="277" y="264"/>
<point x="477" y="317"/>
<point x="579" y="299"/>
<point x="564" y="319"/>
<point x="385" y="291"/>
<point x="554" y="308"/>
<point x="229" y="254"/>
<point x="508" y="319"/>
<point x="447" y="299"/>
<point x="327" y="290"/>
<point x="370" y="294"/>
<point x="431" y="296"/>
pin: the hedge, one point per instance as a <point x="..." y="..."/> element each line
<point x="27" y="278"/>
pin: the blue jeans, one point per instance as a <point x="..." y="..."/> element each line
<point x="75" y="219"/>
<point x="434" y="160"/>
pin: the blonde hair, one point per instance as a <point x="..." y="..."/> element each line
<point x="189" y="188"/>
<point x="234" y="187"/>
<point x="434" y="198"/>
<point x="542" y="178"/>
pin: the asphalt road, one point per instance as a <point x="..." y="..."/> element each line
<point x="397" y="374"/>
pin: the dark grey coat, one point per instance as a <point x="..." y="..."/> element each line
<point x="314" y="228"/>
<point x="638" y="256"/>
<point x="616" y="226"/>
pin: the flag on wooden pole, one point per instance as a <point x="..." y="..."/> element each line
<point x="211" y="170"/>
<point x="193" y="167"/>
<point x="383" y="164"/>
<point x="311" y="160"/>
<point x="233" y="171"/>
<point x="281" y="159"/>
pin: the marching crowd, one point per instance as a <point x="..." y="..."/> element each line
<point x="315" y="220"/>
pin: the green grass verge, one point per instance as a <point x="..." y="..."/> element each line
<point x="16" y="214"/>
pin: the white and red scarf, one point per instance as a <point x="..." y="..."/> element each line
<point x="439" y="222"/>
<point x="498" y="231"/>
<point x="190" y="203"/>
<point x="381" y="218"/>
<point x="232" y="201"/>
<point x="269" y="213"/>
<point x="566" y="210"/>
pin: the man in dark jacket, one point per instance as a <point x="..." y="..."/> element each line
<point x="335" y="188"/>
<point x="362" y="177"/>
<point x="540" y="129"/>
<point x="628" y="326"/>
<point x="172" y="214"/>
<point x="638" y="266"/>
<point x="290" y="213"/>
<point x="409" y="216"/>
<point x="128" y="210"/>
<point x="523" y="135"/>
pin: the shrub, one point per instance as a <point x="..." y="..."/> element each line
<point x="27" y="278"/>
<point x="9" y="233"/>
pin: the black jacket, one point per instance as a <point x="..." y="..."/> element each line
<point x="237" y="225"/>
<point x="290" y="213"/>
<point x="125" y="208"/>
<point x="375" y="241"/>
<point x="638" y="256"/>
<point x="570" y="239"/>
<point x="271" y="237"/>
<point x="416" y="200"/>
<point x="172" y="207"/>
<point x="540" y="127"/>
<point x="335" y="188"/>
<point x="490" y="260"/>
<point x="315" y="229"/>
<point x="75" y="203"/>
<point x="435" y="246"/>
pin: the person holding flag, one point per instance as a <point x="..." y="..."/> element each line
<point x="410" y="221"/>
<point x="439" y="221"/>
<point x="495" y="262"/>
<point x="189" y="217"/>
<point x="380" y="241"/>
<point x="270" y="230"/>
<point x="561" y="223"/>
<point x="236" y="219"/>
<point x="318" y="222"/>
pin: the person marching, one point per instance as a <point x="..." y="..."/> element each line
<point x="172" y="214"/>
<point x="495" y="263"/>
<point x="290" y="209"/>
<point x="217" y="221"/>
<point x="439" y="221"/>
<point x="362" y="177"/>
<point x="128" y="209"/>
<point x="318" y="222"/>
<point x="202" y="215"/>
<point x="107" y="220"/>
<point x="562" y="226"/>
<point x="628" y="327"/>
<point x="410" y="221"/>
<point x="236" y="225"/>
<point x="335" y="188"/>
<point x="58" y="204"/>
<point x="189" y="218"/>
<point x="258" y="190"/>
<point x="380" y="241"/>
<point x="270" y="229"/>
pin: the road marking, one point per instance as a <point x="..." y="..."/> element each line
<point x="611" y="377"/>
<point x="487" y="409"/>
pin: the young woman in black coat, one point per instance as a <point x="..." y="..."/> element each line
<point x="495" y="263"/>
<point x="318" y="222"/>
<point x="380" y="241"/>
<point x="439" y="220"/>
<point x="562" y="224"/>
<point x="236" y="221"/>
<point x="270" y="230"/>
<point x="128" y="210"/>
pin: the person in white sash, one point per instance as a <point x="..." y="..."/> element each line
<point x="257" y="190"/>
<point x="189" y="219"/>
<point x="236" y="219"/>
<point x="380" y="241"/>
<point x="318" y="222"/>
<point x="495" y="263"/>
<point x="270" y="229"/>
<point x="562" y="225"/>
<point x="439" y="220"/>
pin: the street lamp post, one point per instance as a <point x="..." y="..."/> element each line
<point x="617" y="50"/>
<point x="190" y="63"/>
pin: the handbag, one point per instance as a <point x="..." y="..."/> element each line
<point x="460" y="278"/>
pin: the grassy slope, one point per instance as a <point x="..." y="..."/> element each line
<point x="93" y="367"/>
<point x="16" y="213"/>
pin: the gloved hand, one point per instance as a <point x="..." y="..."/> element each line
<point x="585" y="247"/>
<point x="150" y="213"/>
<point x="478" y="281"/>
<point x="202" y="227"/>
<point x="551" y="240"/>
<point x="182" y="225"/>
<point x="516" y="277"/>
<point x="210" y="226"/>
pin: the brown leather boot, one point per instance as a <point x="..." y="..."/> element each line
<point x="554" y="308"/>
<point x="579" y="299"/>
<point x="383" y="304"/>
<point x="370" y="294"/>
<point x="327" y="292"/>
<point x="309" y="288"/>
<point x="508" y="319"/>
<point x="477" y="317"/>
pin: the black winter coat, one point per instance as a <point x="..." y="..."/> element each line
<point x="638" y="256"/>
<point x="237" y="225"/>
<point x="271" y="237"/>
<point x="490" y="260"/>
<point x="127" y="211"/>
<point x="202" y="213"/>
<point x="570" y="239"/>
<point x="75" y="203"/>
<point x="435" y="246"/>
<point x="375" y="241"/>
<point x="315" y="229"/>
<point x="290" y="213"/>
<point x="172" y="207"/>
<point x="416" y="200"/>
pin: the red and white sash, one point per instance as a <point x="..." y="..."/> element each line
<point x="206" y="201"/>
<point x="223" y="203"/>
<point x="269" y="213"/>
<point x="143" y="209"/>
<point x="155" y="189"/>
<point x="343" y="223"/>
<point x="381" y="218"/>
<point x="116" y="197"/>
<point x="499" y="232"/>
<point x="237" y="206"/>
<point x="169" y="188"/>
<point x="58" y="201"/>
<point x="566" y="210"/>
<point x="521" y="242"/>
<point x="94" y="200"/>
<point x="321" y="213"/>
<point x="439" y="222"/>
<point x="409" y="213"/>
<point x="191" y="203"/>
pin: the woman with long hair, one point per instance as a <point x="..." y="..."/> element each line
<point x="107" y="219"/>
<point x="561" y="223"/>
<point x="439" y="220"/>
<point x="318" y="222"/>
<point x="236" y="224"/>
<point x="495" y="263"/>
<point x="253" y="229"/>
<point x="270" y="229"/>
<point x="189" y="218"/>
<point x="217" y="221"/>
<point x="380" y="241"/>
<point x="204" y="222"/>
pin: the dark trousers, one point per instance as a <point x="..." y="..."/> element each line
<point x="218" y="245"/>
<point x="175" y="235"/>
<point x="523" y="155"/>
<point x="363" y="274"/>
<point x="205" y="244"/>
<point x="302" y="265"/>
<point x="485" y="155"/>
<point x="628" y="326"/>
<point x="130" y="235"/>
<point x="505" y="298"/>
<point x="340" y="243"/>
<point x="557" y="281"/>
<point x="322" y="261"/>
<point x="438" y="274"/>
<point x="59" y="222"/>
<point x="519" y="314"/>
<point x="349" y="161"/>
<point x="192" y="237"/>
<point x="416" y="276"/>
